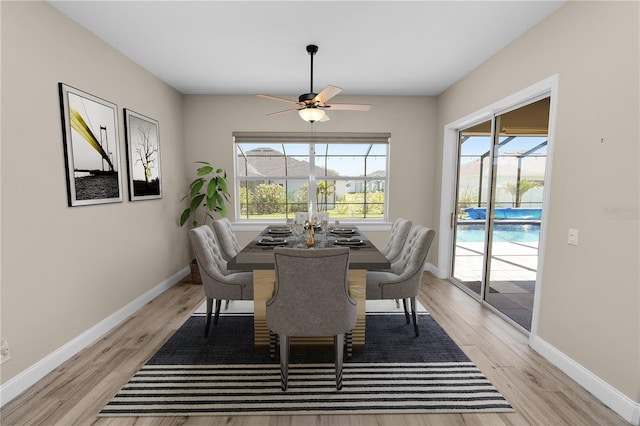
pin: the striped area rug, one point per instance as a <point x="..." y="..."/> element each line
<point x="223" y="375"/>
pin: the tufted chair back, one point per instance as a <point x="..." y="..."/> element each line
<point x="397" y="237"/>
<point x="227" y="239"/>
<point x="312" y="294"/>
<point x="303" y="217"/>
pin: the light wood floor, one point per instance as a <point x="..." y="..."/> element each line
<point x="76" y="391"/>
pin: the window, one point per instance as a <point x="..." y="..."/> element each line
<point x="275" y="172"/>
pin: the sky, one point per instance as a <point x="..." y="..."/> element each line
<point x="478" y="145"/>
<point x="95" y="115"/>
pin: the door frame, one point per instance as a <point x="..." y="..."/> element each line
<point x="546" y="87"/>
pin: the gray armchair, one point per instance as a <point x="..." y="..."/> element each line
<point x="403" y="280"/>
<point x="218" y="282"/>
<point x="397" y="237"/>
<point x="227" y="239"/>
<point x="311" y="299"/>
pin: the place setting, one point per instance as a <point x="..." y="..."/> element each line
<point x="272" y="241"/>
<point x="279" y="230"/>
<point x="342" y="231"/>
<point x="348" y="241"/>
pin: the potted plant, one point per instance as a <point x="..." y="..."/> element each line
<point x="207" y="195"/>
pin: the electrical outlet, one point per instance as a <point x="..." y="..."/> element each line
<point x="4" y="351"/>
<point x="573" y="237"/>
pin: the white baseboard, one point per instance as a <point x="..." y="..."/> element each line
<point x="37" y="371"/>
<point x="429" y="267"/>
<point x="608" y="395"/>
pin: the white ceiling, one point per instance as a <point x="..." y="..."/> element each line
<point x="365" y="47"/>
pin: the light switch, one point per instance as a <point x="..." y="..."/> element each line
<point x="573" y="237"/>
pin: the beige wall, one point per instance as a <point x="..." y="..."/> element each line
<point x="66" y="269"/>
<point x="211" y="120"/>
<point x="590" y="297"/>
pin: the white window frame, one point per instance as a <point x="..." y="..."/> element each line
<point x="311" y="139"/>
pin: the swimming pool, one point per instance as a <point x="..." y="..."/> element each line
<point x="521" y="213"/>
<point x="514" y="233"/>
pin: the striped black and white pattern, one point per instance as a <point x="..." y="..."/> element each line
<point x="254" y="389"/>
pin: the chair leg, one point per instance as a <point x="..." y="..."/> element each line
<point x="226" y="304"/>
<point x="284" y="362"/>
<point x="415" y="317"/>
<point x="217" y="314"/>
<point x="397" y="304"/>
<point x="272" y="345"/>
<point x="349" y="345"/>
<point x="338" y="342"/>
<point x="406" y="311"/>
<point x="209" y="309"/>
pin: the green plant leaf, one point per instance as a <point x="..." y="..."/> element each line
<point x="196" y="185"/>
<point x="212" y="187"/>
<point x="185" y="216"/>
<point x="195" y="202"/>
<point x="223" y="186"/>
<point x="204" y="170"/>
<point x="212" y="202"/>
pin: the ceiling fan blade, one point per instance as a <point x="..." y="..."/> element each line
<point x="325" y="118"/>
<point x="348" y="107"/>
<point x="277" y="98"/>
<point x="326" y="94"/>
<point x="284" y="111"/>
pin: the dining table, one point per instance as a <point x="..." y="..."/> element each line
<point x="258" y="257"/>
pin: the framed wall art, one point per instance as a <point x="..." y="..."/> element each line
<point x="143" y="156"/>
<point x="91" y="148"/>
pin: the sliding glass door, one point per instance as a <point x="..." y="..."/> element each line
<point x="469" y="220"/>
<point x="500" y="183"/>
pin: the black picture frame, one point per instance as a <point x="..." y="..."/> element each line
<point x="142" y="135"/>
<point x="91" y="148"/>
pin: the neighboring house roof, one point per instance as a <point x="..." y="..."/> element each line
<point x="269" y="162"/>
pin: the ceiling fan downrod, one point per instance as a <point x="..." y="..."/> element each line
<point x="312" y="49"/>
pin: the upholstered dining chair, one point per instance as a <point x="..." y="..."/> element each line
<point x="218" y="282"/>
<point x="311" y="298"/>
<point x="397" y="237"/>
<point x="227" y="239"/>
<point x="303" y="217"/>
<point x="403" y="279"/>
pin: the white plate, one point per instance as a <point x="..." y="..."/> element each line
<point x="272" y="241"/>
<point x="348" y="241"/>
<point x="279" y="231"/>
<point x="343" y="231"/>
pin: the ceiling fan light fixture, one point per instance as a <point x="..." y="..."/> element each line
<point x="311" y="114"/>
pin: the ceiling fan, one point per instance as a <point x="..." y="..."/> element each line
<point x="312" y="106"/>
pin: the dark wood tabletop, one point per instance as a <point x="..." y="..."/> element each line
<point x="258" y="254"/>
